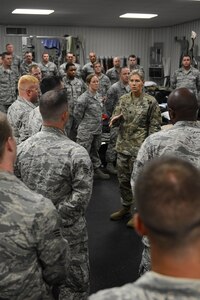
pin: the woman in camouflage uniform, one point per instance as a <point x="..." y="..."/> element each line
<point x="138" y="115"/>
<point x="88" y="114"/>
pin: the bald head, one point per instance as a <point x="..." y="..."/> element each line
<point x="182" y="105"/>
<point x="117" y="62"/>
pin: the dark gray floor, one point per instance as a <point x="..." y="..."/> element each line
<point x="115" y="250"/>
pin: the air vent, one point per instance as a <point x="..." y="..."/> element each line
<point x="16" y="30"/>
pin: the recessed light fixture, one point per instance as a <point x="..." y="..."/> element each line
<point x="26" y="11"/>
<point x="138" y="16"/>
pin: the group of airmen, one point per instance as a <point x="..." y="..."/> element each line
<point x="55" y="118"/>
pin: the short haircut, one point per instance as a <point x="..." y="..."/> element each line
<point x="184" y="102"/>
<point x="187" y="55"/>
<point x="68" y="65"/>
<point x="167" y="193"/>
<point x="26" y="81"/>
<point x="5" y="132"/>
<point x="50" y="83"/>
<point x="122" y="69"/>
<point x="52" y="104"/>
<point x="4" y="54"/>
<point x="97" y="62"/>
<point x="138" y="72"/>
<point x="69" y="53"/>
<point x="132" y="56"/>
<point x="34" y="66"/>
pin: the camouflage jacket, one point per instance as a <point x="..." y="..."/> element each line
<point x="116" y="90"/>
<point x="8" y="86"/>
<point x="56" y="167"/>
<point x="113" y="75"/>
<point x="33" y="253"/>
<point x="189" y="79"/>
<point x="104" y="84"/>
<point x="181" y="140"/>
<point x="88" y="112"/>
<point x="18" y="116"/>
<point x="74" y="88"/>
<point x="16" y="61"/>
<point x="87" y="70"/>
<point x="24" y="67"/>
<point x="49" y="69"/>
<point x="34" y="121"/>
<point x="137" y="67"/>
<point x="141" y="117"/>
<point x="153" y="286"/>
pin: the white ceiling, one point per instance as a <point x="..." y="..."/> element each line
<point x="101" y="13"/>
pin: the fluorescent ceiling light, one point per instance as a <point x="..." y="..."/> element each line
<point x="138" y="16"/>
<point x="26" y="11"/>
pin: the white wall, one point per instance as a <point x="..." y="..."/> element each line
<point x="117" y="41"/>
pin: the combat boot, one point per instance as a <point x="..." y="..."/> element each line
<point x="118" y="215"/>
<point x="98" y="174"/>
<point x="130" y="223"/>
<point x="111" y="169"/>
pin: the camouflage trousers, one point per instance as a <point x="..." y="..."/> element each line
<point x="76" y="286"/>
<point x="111" y="154"/>
<point x="92" y="144"/>
<point x="124" y="170"/>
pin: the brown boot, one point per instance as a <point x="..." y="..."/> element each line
<point x="118" y="215"/>
<point x="130" y="223"/>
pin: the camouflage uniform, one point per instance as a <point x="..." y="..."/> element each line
<point x="8" y="87"/>
<point x="24" y="68"/>
<point x="137" y="67"/>
<point x="34" y="256"/>
<point x="16" y="61"/>
<point x="141" y="117"/>
<point x="74" y="89"/>
<point x="88" y="112"/>
<point x="18" y="115"/>
<point x="153" y="286"/>
<point x="181" y="140"/>
<point x="186" y="78"/>
<point x="34" y="121"/>
<point x="117" y="90"/>
<point x="113" y="75"/>
<point x="49" y="69"/>
<point x="104" y="84"/>
<point x="62" y="70"/>
<point x="87" y="70"/>
<point x="114" y="93"/>
<point x="61" y="170"/>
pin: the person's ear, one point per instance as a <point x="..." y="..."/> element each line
<point x="65" y="116"/>
<point x="171" y="114"/>
<point x="11" y="146"/>
<point x="28" y="92"/>
<point x="139" y="226"/>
